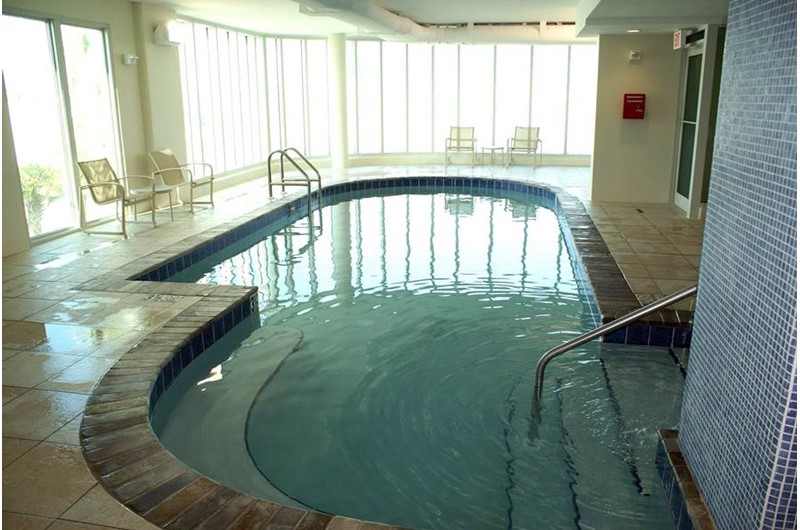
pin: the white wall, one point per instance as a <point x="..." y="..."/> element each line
<point x="633" y="159"/>
<point x="160" y="83"/>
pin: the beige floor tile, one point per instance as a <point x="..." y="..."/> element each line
<point x="619" y="247"/>
<point x="98" y="507"/>
<point x="14" y="448"/>
<point x="46" y="480"/>
<point x="29" y="369"/>
<point x="22" y="308"/>
<point x="670" y="286"/>
<point x="690" y="250"/>
<point x="648" y="258"/>
<point x="8" y="353"/>
<point x="654" y="248"/>
<point x="626" y="257"/>
<point x="20" y="335"/>
<point x="613" y="237"/>
<point x="37" y="414"/>
<point x="655" y="239"/>
<point x="694" y="261"/>
<point x="68" y="434"/>
<point x="80" y="377"/>
<point x="12" y="392"/>
<point x="75" y="339"/>
<point x="116" y="348"/>
<point x="634" y="270"/>
<point x="643" y="286"/>
<point x="672" y="272"/>
<point x="16" y="521"/>
<point x="55" y="291"/>
<point x="19" y="287"/>
<point x="134" y="317"/>
<point x="71" y="525"/>
<point x="15" y="271"/>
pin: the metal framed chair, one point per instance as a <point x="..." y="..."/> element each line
<point x="176" y="174"/>
<point x="526" y="140"/>
<point x="105" y="187"/>
<point x="461" y="140"/>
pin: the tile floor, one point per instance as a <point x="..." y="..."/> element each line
<point x="57" y="342"/>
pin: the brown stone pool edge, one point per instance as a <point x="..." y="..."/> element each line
<point x="123" y="452"/>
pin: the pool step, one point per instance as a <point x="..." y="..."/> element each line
<point x="218" y="389"/>
<point x="614" y="426"/>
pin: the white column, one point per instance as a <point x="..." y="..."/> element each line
<point x="337" y="95"/>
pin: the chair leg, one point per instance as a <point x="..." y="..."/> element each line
<point x="153" y="209"/>
<point x="171" y="215"/>
<point x="191" y="197"/>
<point x="211" y="192"/>
<point x="124" y="228"/>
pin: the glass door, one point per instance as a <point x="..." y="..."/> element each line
<point x="37" y="119"/>
<point x="62" y="109"/>
<point x="688" y="132"/>
<point x="91" y="104"/>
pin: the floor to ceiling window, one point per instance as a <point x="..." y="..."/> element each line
<point x="428" y="88"/>
<point x="247" y="95"/>
<point x="62" y="110"/>
<point x="401" y="97"/>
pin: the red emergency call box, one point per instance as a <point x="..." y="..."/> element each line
<point x="633" y="106"/>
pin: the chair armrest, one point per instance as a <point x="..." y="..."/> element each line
<point x="145" y="179"/>
<point x="204" y="165"/>
<point x="158" y="175"/>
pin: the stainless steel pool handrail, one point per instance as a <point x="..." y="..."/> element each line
<point x="614" y="325"/>
<point x="305" y="181"/>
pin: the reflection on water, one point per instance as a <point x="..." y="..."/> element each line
<point x="393" y="377"/>
<point x="453" y="243"/>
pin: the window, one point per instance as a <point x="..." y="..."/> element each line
<point x="394" y="97"/>
<point x="224" y="100"/>
<point x="549" y="95"/>
<point x="46" y="142"/>
<point x="582" y="99"/>
<point x="513" y="82"/>
<point x="420" y="98"/>
<point x="476" y="104"/>
<point x="421" y="90"/>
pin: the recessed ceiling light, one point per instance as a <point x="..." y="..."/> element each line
<point x="633" y="30"/>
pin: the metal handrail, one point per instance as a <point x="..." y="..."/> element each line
<point x="307" y="180"/>
<point x="602" y="330"/>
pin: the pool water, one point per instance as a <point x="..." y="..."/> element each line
<point x="390" y="375"/>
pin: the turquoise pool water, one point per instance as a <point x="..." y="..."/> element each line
<point x="389" y="376"/>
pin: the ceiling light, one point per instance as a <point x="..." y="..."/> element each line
<point x="633" y="30"/>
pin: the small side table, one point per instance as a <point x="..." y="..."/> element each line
<point x="491" y="150"/>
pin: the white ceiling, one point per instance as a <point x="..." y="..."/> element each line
<point x="591" y="17"/>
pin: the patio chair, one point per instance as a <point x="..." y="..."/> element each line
<point x="176" y="174"/>
<point x="105" y="187"/>
<point x="526" y="140"/>
<point x="461" y="140"/>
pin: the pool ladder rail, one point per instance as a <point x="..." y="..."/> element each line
<point x="614" y="325"/>
<point x="303" y="180"/>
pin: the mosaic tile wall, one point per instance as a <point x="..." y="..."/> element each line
<point x="737" y="429"/>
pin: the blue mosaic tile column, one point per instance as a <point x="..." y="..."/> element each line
<point x="737" y="428"/>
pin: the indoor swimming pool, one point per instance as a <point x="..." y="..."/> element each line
<point x="388" y="375"/>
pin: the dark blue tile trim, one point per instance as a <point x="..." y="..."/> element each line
<point x="198" y="343"/>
